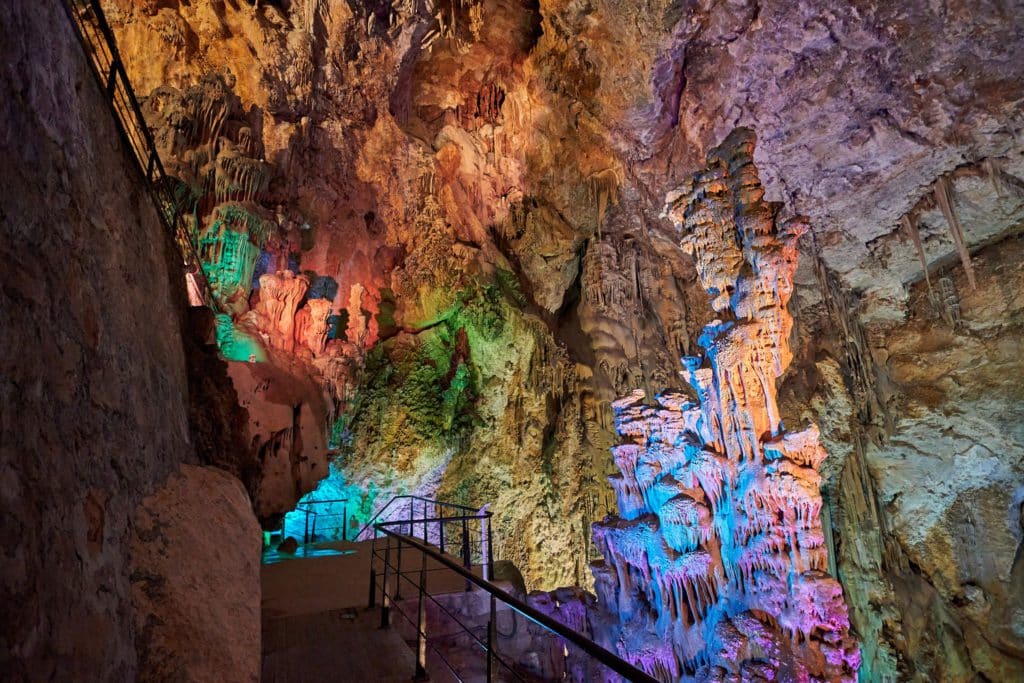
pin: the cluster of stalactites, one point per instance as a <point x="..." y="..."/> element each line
<point x="207" y="143"/>
<point x="720" y="505"/>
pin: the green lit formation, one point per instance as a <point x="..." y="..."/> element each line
<point x="236" y="344"/>
<point x="229" y="248"/>
<point x="418" y="393"/>
<point x="423" y="387"/>
<point x="418" y="385"/>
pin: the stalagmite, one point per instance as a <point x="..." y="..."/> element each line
<point x="719" y="529"/>
<point x="274" y="315"/>
<point x="312" y="331"/>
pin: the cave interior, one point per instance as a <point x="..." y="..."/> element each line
<point x="689" y="331"/>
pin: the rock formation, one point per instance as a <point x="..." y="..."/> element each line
<point x="274" y="315"/>
<point x="285" y="434"/>
<point x="717" y="565"/>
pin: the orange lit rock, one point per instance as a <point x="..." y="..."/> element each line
<point x="286" y="433"/>
<point x="274" y="315"/>
<point x="311" y="325"/>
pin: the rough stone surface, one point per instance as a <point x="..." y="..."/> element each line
<point x="195" y="553"/>
<point x="93" y="386"/>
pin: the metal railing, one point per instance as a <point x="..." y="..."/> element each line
<point x="532" y="646"/>
<point x="318" y="520"/>
<point x="97" y="40"/>
<point x="404" y="508"/>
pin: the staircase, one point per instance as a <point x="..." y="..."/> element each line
<point x="97" y="40"/>
<point x="433" y="608"/>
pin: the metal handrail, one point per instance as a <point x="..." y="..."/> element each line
<point x="100" y="47"/>
<point x="307" y="507"/>
<point x="439" y="503"/>
<point x="592" y="649"/>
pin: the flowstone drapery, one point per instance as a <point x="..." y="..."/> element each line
<point x="717" y="566"/>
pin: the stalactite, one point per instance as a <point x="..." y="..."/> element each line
<point x="944" y="198"/>
<point x="993" y="168"/>
<point x="604" y="192"/>
<point x="910" y="226"/>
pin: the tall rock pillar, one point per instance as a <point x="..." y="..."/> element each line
<point x="716" y="568"/>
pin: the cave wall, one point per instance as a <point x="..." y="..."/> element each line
<point x="924" y="493"/>
<point x="94" y="396"/>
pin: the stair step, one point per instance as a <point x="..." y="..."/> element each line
<point x="343" y="645"/>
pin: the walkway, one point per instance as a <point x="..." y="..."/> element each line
<point x="316" y="625"/>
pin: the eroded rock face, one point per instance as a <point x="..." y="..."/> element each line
<point x="286" y="439"/>
<point x="926" y="514"/>
<point x="195" y="554"/>
<point x="717" y="565"/>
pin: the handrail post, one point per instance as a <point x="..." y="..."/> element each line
<point x="373" y="574"/>
<point x="398" y="571"/>
<point x="373" y="587"/>
<point x="425" y="518"/>
<point x="344" y="520"/>
<point x="384" y="600"/>
<point x="421" y="627"/>
<point x="441" y="534"/>
<point x="112" y="80"/>
<point x="492" y="640"/>
<point x="489" y="563"/>
<point x="466" y="561"/>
